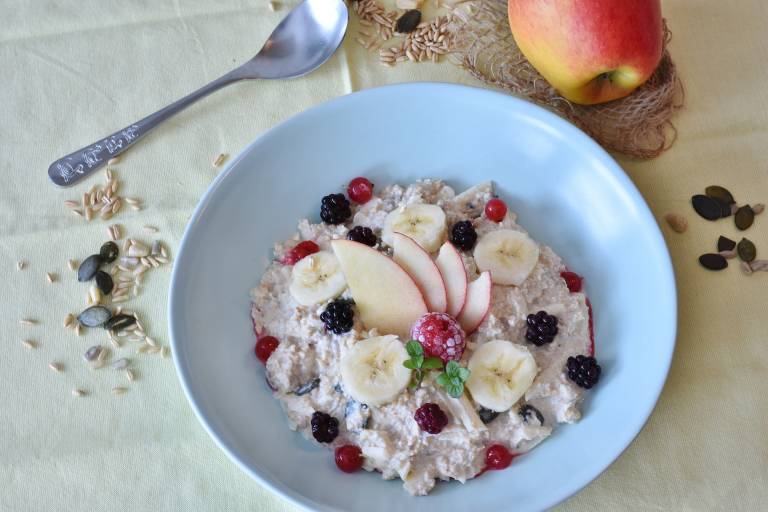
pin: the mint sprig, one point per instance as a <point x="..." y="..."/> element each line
<point x="453" y="379"/>
<point x="418" y="363"/>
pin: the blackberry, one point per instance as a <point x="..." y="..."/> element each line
<point x="431" y="418"/>
<point x="363" y="235"/>
<point x="583" y="370"/>
<point x="325" y="427"/>
<point x="338" y="317"/>
<point x="528" y="412"/>
<point x="334" y="209"/>
<point x="542" y="328"/>
<point x="487" y="415"/>
<point x="463" y="235"/>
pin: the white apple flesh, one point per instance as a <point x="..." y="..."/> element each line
<point x="419" y="265"/>
<point x="386" y="298"/>
<point x="454" y="274"/>
<point x="478" y="303"/>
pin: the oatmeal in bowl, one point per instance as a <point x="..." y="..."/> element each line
<point x="422" y="333"/>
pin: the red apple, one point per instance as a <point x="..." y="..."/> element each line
<point x="454" y="276"/>
<point x="591" y="51"/>
<point x="419" y="265"/>
<point x="478" y="303"/>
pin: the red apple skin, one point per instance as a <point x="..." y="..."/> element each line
<point x="591" y="51"/>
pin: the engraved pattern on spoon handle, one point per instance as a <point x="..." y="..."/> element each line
<point x="72" y="168"/>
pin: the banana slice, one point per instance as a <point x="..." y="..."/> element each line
<point x="425" y="223"/>
<point x="317" y="278"/>
<point x="508" y="254"/>
<point x="373" y="372"/>
<point x="501" y="373"/>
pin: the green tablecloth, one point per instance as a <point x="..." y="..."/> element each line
<point x="73" y="71"/>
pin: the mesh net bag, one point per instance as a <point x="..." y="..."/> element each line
<point x="638" y="125"/>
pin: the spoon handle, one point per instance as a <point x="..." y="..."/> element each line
<point x="77" y="165"/>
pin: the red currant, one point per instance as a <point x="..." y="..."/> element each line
<point x="498" y="457"/>
<point x="360" y="190"/>
<point x="573" y="280"/>
<point x="495" y="210"/>
<point x="265" y="346"/>
<point x="591" y="329"/>
<point x="302" y="250"/>
<point x="349" y="458"/>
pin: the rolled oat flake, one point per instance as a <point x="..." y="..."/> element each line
<point x="746" y="250"/>
<point x="713" y="261"/>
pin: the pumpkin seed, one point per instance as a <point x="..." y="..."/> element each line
<point x="713" y="261"/>
<point x="306" y="388"/>
<point x="94" y="316"/>
<point x="109" y="252"/>
<point x="744" y="218"/>
<point x="725" y="244"/>
<point x="747" y="250"/>
<point x="89" y="267"/>
<point x="104" y="282"/>
<point x="408" y="21"/>
<point x="726" y="209"/>
<point x="120" y="322"/>
<point x="707" y="207"/>
<point x="720" y="193"/>
<point x="758" y="208"/>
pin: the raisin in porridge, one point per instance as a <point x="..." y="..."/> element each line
<point x="422" y="333"/>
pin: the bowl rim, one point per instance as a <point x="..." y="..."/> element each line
<point x="542" y="115"/>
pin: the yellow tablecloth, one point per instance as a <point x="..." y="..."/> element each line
<point x="73" y="71"/>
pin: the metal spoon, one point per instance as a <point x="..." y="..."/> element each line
<point x="303" y="41"/>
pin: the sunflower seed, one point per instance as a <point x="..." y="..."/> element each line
<point x="725" y="244"/>
<point x="150" y="341"/>
<point x="747" y="250"/>
<point x="138" y="250"/>
<point x="92" y="353"/>
<point x="20" y="265"/>
<point x="120" y="364"/>
<point x="746" y="267"/>
<point x="78" y="329"/>
<point x="79" y="392"/>
<point x="707" y="207"/>
<point x="77" y="212"/>
<point x="713" y="261"/>
<point x="95" y="316"/>
<point x="28" y="321"/>
<point x="51" y="278"/>
<point x="759" y="266"/>
<point x="142" y="349"/>
<point x="729" y="255"/>
<point x="68" y="320"/>
<point x="95" y="295"/>
<point x="120" y="322"/>
<point x="135" y="207"/>
<point x="165" y="352"/>
<point x="744" y="217"/>
<point x="150" y="229"/>
<point x="132" y="201"/>
<point x="72" y="264"/>
<point x="272" y="7"/>
<point x="758" y="208"/>
<point x="56" y="367"/>
<point x="130" y="375"/>
<point x="220" y="159"/>
<point x="129" y="261"/>
<point x="71" y="204"/>
<point x="29" y="344"/>
<point x="89" y="267"/>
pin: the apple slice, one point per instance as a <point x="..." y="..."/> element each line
<point x="478" y="303"/>
<point x="454" y="274"/>
<point x="416" y="261"/>
<point x="386" y="298"/>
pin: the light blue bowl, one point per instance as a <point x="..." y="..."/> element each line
<point x="568" y="193"/>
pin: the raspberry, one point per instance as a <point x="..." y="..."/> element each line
<point x="325" y="427"/>
<point x="495" y="210"/>
<point x="349" y="458"/>
<point x="572" y="280"/>
<point x="463" y="235"/>
<point x="431" y="418"/>
<point x="360" y="190"/>
<point x="583" y="370"/>
<point x="498" y="457"/>
<point x="363" y="235"/>
<point x="334" y="209"/>
<point x="440" y="336"/>
<point x="302" y="250"/>
<point x="265" y="346"/>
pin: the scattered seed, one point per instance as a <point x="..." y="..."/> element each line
<point x="79" y="392"/>
<point x="119" y="390"/>
<point x="150" y="229"/>
<point x="78" y="329"/>
<point x="137" y="250"/>
<point x="89" y="267"/>
<point x="758" y="208"/>
<point x="746" y="268"/>
<point x="109" y="252"/>
<point x="29" y="344"/>
<point x="713" y="261"/>
<point x="155" y="251"/>
<point x="729" y="255"/>
<point x="135" y="207"/>
<point x="153" y="350"/>
<point x="20" y="265"/>
<point x="50" y="277"/>
<point x="747" y="250"/>
<point x="77" y="212"/>
<point x="104" y="282"/>
<point x="120" y="364"/>
<point x="725" y="244"/>
<point x="720" y="193"/>
<point x="112" y="161"/>
<point x="759" y="266"/>
<point x="165" y="352"/>
<point x="69" y="320"/>
<point x="117" y="299"/>
<point x="93" y="353"/>
<point x="71" y="204"/>
<point x="744" y="217"/>
<point x="95" y="316"/>
<point x="120" y="322"/>
<point x="28" y="321"/>
<point x="707" y="207"/>
<point x="408" y="21"/>
<point x="89" y="214"/>
<point x="130" y="375"/>
<point x="115" y="232"/>
<point x="129" y="261"/>
<point x="150" y="341"/>
<point x="272" y="7"/>
<point x="56" y="367"/>
<point x="142" y="349"/>
<point x="163" y="252"/>
<point x="72" y="264"/>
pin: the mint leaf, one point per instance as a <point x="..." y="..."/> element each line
<point x="408" y="363"/>
<point x="414" y="349"/>
<point x="463" y="374"/>
<point x="443" y="380"/>
<point x="454" y="390"/>
<point x="452" y="368"/>
<point x="432" y="363"/>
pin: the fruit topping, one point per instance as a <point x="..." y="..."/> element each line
<point x="583" y="370"/>
<point x="363" y="235"/>
<point x="360" y="190"/>
<point x="265" y="346"/>
<point x="487" y="415"/>
<point x="509" y="255"/>
<point x="463" y="235"/>
<point x="529" y="413"/>
<point x="440" y="335"/>
<point x="338" y="316"/>
<point x="317" y="278"/>
<point x="431" y="418"/>
<point x="334" y="209"/>
<point x="542" y="328"/>
<point x="349" y="458"/>
<point x="501" y="374"/>
<point x="495" y="210"/>
<point x="425" y="223"/>
<point x="372" y="370"/>
<point x="325" y="427"/>
<point x="572" y="280"/>
<point x="498" y="457"/>
<point x="300" y="251"/>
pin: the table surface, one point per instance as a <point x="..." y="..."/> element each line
<point x="76" y="70"/>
